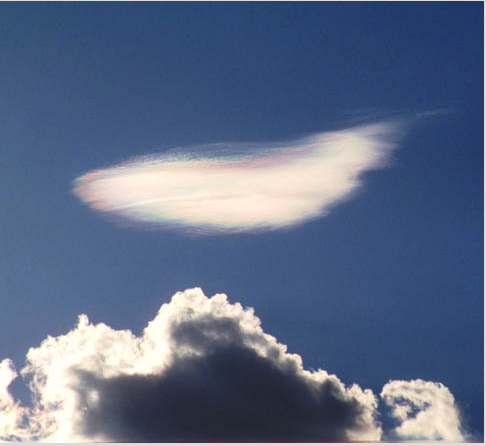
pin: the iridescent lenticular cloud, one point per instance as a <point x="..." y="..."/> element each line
<point x="236" y="188"/>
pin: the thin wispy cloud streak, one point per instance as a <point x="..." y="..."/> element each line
<point x="230" y="187"/>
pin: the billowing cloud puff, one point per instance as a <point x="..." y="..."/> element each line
<point x="203" y="370"/>
<point x="11" y="413"/>
<point x="235" y="188"/>
<point x="426" y="410"/>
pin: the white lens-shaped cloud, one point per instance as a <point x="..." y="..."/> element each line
<point x="236" y="188"/>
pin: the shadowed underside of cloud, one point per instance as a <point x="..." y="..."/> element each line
<point x="232" y="394"/>
<point x="203" y="370"/>
<point x="235" y="188"/>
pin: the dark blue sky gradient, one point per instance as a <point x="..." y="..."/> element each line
<point x="388" y="286"/>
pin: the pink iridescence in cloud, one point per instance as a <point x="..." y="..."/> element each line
<point x="271" y="186"/>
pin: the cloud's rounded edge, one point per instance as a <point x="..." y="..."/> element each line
<point x="198" y="360"/>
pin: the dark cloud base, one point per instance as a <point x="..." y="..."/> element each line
<point x="230" y="393"/>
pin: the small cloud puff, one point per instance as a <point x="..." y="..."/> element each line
<point x="426" y="411"/>
<point x="203" y="370"/>
<point x="236" y="188"/>
<point x="11" y="412"/>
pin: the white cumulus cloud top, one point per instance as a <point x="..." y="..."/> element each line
<point x="203" y="370"/>
<point x="236" y="188"/>
<point x="426" y="410"/>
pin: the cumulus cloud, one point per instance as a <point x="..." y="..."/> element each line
<point x="203" y="370"/>
<point x="425" y="410"/>
<point x="11" y="412"/>
<point x="235" y="188"/>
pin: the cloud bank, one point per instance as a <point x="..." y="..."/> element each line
<point x="203" y="370"/>
<point x="236" y="188"/>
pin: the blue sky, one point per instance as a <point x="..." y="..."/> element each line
<point x="387" y="286"/>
